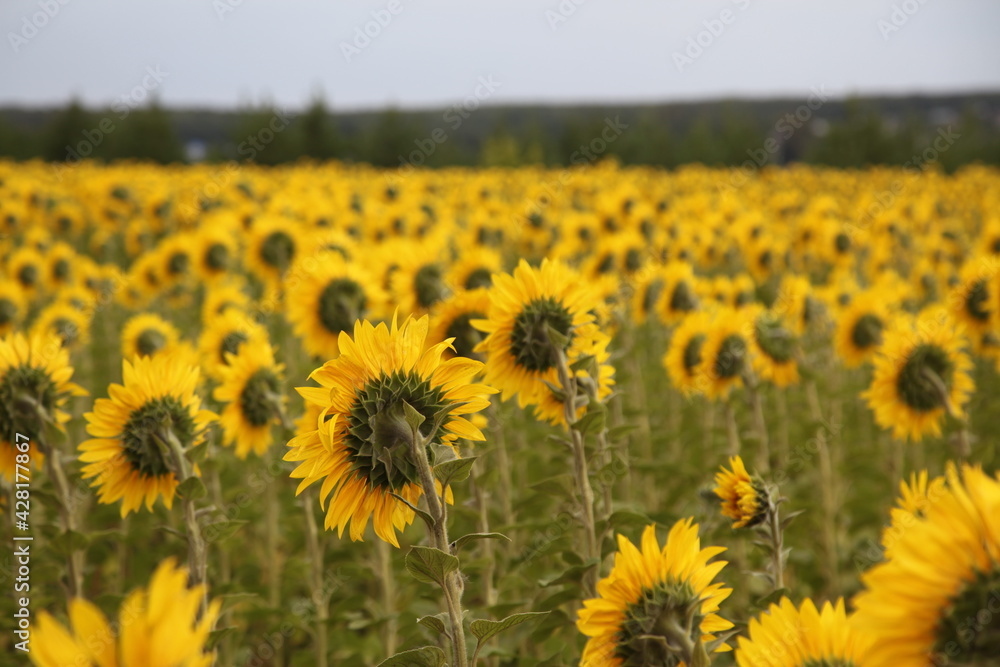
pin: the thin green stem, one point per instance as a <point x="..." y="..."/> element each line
<point x="197" y="551"/>
<point x="320" y="598"/>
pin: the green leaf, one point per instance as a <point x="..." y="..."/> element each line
<point x="771" y="598"/>
<point x="196" y="454"/>
<point x="230" y="600"/>
<point x="485" y="630"/>
<point x="428" y="519"/>
<point x="788" y="518"/>
<point x="456" y="470"/>
<point x="425" y="656"/>
<point x="222" y="530"/>
<point x="556" y="337"/>
<point x="69" y="541"/>
<point x="215" y="637"/>
<point x="435" y="623"/>
<point x="628" y="517"/>
<point x="619" y="432"/>
<point x="192" y="489"/>
<point x="593" y="421"/>
<point x="465" y="539"/>
<point x="413" y="418"/>
<point x="571" y="575"/>
<point x="586" y="363"/>
<point x="430" y="565"/>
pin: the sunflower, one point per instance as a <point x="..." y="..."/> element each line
<point x="929" y="603"/>
<point x="970" y="301"/>
<point x="912" y="505"/>
<point x="452" y="318"/>
<point x="725" y="355"/>
<point x="657" y="606"/>
<point x="159" y="625"/>
<point x="520" y="357"/>
<point x="683" y="357"/>
<point x="647" y="294"/>
<point x="12" y="306"/>
<point x="250" y="386"/>
<point x="72" y="325"/>
<point x="146" y="335"/>
<point x="774" y="347"/>
<point x="860" y="328"/>
<point x="156" y="409"/>
<point x="26" y="267"/>
<point x="273" y="246"/>
<point x="215" y="252"/>
<point x="795" y="303"/>
<point x="473" y="269"/>
<point x="921" y="372"/>
<point x="34" y="386"/>
<point x="221" y="296"/>
<point x="745" y="499"/>
<point x="60" y="263"/>
<point x="330" y="295"/>
<point x="680" y="293"/>
<point x="361" y="448"/>
<point x="419" y="281"/>
<point x="226" y="334"/>
<point x="805" y="637"/>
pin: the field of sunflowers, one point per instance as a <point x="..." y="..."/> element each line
<point x="330" y="415"/>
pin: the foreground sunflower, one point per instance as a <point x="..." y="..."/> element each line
<point x="361" y="446"/>
<point x="521" y="358"/>
<point x="657" y="606"/>
<point x="154" y="411"/>
<point x="928" y="603"/>
<point x="250" y="386"/>
<point x="34" y="386"/>
<point x="921" y="372"/>
<point x="157" y="626"/>
<point x="805" y="637"/>
<point x="912" y="506"/>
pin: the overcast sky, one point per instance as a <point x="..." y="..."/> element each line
<point x="430" y="53"/>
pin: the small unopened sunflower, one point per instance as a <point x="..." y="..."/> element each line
<point x="928" y="603"/>
<point x="805" y="637"/>
<point x="136" y="430"/>
<point x="251" y="389"/>
<point x="745" y="499"/>
<point x="330" y="295"/>
<point x="860" y="328"/>
<point x="148" y="334"/>
<point x="658" y="605"/>
<point x="521" y="358"/>
<point x="159" y="625"/>
<point x="361" y="448"/>
<point x="34" y="385"/>
<point x="452" y="318"/>
<point x="921" y="372"/>
<point x="683" y="357"/>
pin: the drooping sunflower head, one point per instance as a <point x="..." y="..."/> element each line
<point x="149" y="420"/>
<point x="926" y="604"/>
<point x="921" y="372"/>
<point x="251" y="387"/>
<point x="745" y="499"/>
<point x="158" y="625"/>
<point x="658" y="605"/>
<point x="362" y="448"/>
<point x="330" y="295"/>
<point x="452" y="319"/>
<point x="34" y="386"/>
<point x="148" y="334"/>
<point x="536" y="315"/>
<point x="805" y="637"/>
<point x="226" y="334"/>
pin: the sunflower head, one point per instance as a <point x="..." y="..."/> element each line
<point x="914" y="498"/>
<point x="745" y="499"/>
<point x="363" y="444"/>
<point x="658" y="605"/>
<point x="452" y="319"/>
<point x="148" y="334"/>
<point x="158" y="625"/>
<point x="149" y="420"/>
<point x="250" y="386"/>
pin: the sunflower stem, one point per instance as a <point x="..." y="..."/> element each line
<point x="760" y="425"/>
<point x="580" y="472"/>
<point x="74" y="559"/>
<point x="387" y="583"/>
<point x="320" y="598"/>
<point x="732" y="431"/>
<point x="272" y="533"/>
<point x="777" y="546"/>
<point x="453" y="582"/>
<point x="197" y="553"/>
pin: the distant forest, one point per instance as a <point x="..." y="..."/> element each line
<point x="844" y="133"/>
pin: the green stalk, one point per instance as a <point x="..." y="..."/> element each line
<point x="319" y="597"/>
<point x="74" y="559"/>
